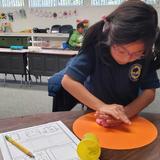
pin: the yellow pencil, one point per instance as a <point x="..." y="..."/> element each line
<point x="19" y="146"/>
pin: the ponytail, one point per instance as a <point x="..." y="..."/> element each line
<point x="93" y="35"/>
<point x="156" y="51"/>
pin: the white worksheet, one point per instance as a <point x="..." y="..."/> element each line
<point x="51" y="141"/>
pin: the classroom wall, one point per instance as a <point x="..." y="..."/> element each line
<point x="37" y="18"/>
<point x="93" y="14"/>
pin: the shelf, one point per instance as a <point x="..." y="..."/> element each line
<point x="54" y="39"/>
<point x="53" y="35"/>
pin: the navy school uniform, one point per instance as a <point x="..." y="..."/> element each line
<point x="54" y="82"/>
<point x="62" y="100"/>
<point x="108" y="80"/>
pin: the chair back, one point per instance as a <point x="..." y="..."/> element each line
<point x="55" y="27"/>
<point x="66" y="28"/>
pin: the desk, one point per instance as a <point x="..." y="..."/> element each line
<point x="150" y="152"/>
<point x="47" y="61"/>
<point x="13" y="61"/>
<point x="43" y="63"/>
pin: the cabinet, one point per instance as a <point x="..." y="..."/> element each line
<point x="43" y="63"/>
<point x="13" y="62"/>
<point x="46" y="64"/>
<point x="44" y="40"/>
<point x="7" y="41"/>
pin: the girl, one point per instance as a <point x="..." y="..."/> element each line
<point x="119" y="58"/>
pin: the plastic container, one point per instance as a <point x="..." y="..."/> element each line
<point x="34" y="49"/>
<point x="64" y="45"/>
<point x="89" y="148"/>
<point x="16" y="47"/>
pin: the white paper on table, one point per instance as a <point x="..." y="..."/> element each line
<point x="51" y="141"/>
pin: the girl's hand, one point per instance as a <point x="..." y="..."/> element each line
<point x="114" y="110"/>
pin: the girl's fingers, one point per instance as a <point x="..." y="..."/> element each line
<point x="117" y="112"/>
<point x="118" y="115"/>
<point x="121" y="108"/>
<point x="125" y="119"/>
<point x="113" y="121"/>
<point x="114" y="113"/>
<point x="103" y="116"/>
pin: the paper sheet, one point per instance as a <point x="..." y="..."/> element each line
<point x="51" y="141"/>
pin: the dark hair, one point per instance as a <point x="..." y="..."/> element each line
<point x="80" y="25"/>
<point x="156" y="50"/>
<point x="131" y="21"/>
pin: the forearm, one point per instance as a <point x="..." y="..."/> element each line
<point x="140" y="102"/>
<point x="81" y="93"/>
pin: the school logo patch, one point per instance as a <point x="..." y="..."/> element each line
<point x="135" y="72"/>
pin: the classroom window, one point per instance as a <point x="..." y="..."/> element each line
<point x="42" y="3"/>
<point x="117" y="2"/>
<point x="151" y="1"/>
<point x="105" y="2"/>
<point x="52" y="3"/>
<point x="70" y="2"/>
<point x="11" y="3"/>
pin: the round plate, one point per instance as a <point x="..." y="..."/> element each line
<point x="140" y="133"/>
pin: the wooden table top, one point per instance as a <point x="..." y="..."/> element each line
<point x="8" y="50"/>
<point x="56" y="52"/>
<point x="149" y="152"/>
<point x="42" y="51"/>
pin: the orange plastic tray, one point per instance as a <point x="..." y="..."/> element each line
<point x="140" y="133"/>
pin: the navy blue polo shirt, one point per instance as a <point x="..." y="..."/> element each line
<point x="108" y="80"/>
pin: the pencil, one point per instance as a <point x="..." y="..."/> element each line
<point x="19" y="146"/>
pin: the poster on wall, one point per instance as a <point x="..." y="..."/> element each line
<point x="6" y="19"/>
<point x="10" y="17"/>
<point x="3" y="16"/>
<point x="22" y="13"/>
<point x="5" y="25"/>
<point x="54" y="15"/>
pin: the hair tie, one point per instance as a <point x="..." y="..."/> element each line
<point x="106" y="25"/>
<point x="104" y="18"/>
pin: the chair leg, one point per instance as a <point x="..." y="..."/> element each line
<point x="22" y="80"/>
<point x="5" y="77"/>
<point x="14" y="77"/>
<point x="40" y="77"/>
<point x="30" y="81"/>
<point x="36" y="79"/>
<point x="29" y="77"/>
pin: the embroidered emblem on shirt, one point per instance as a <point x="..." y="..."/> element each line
<point x="135" y="72"/>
